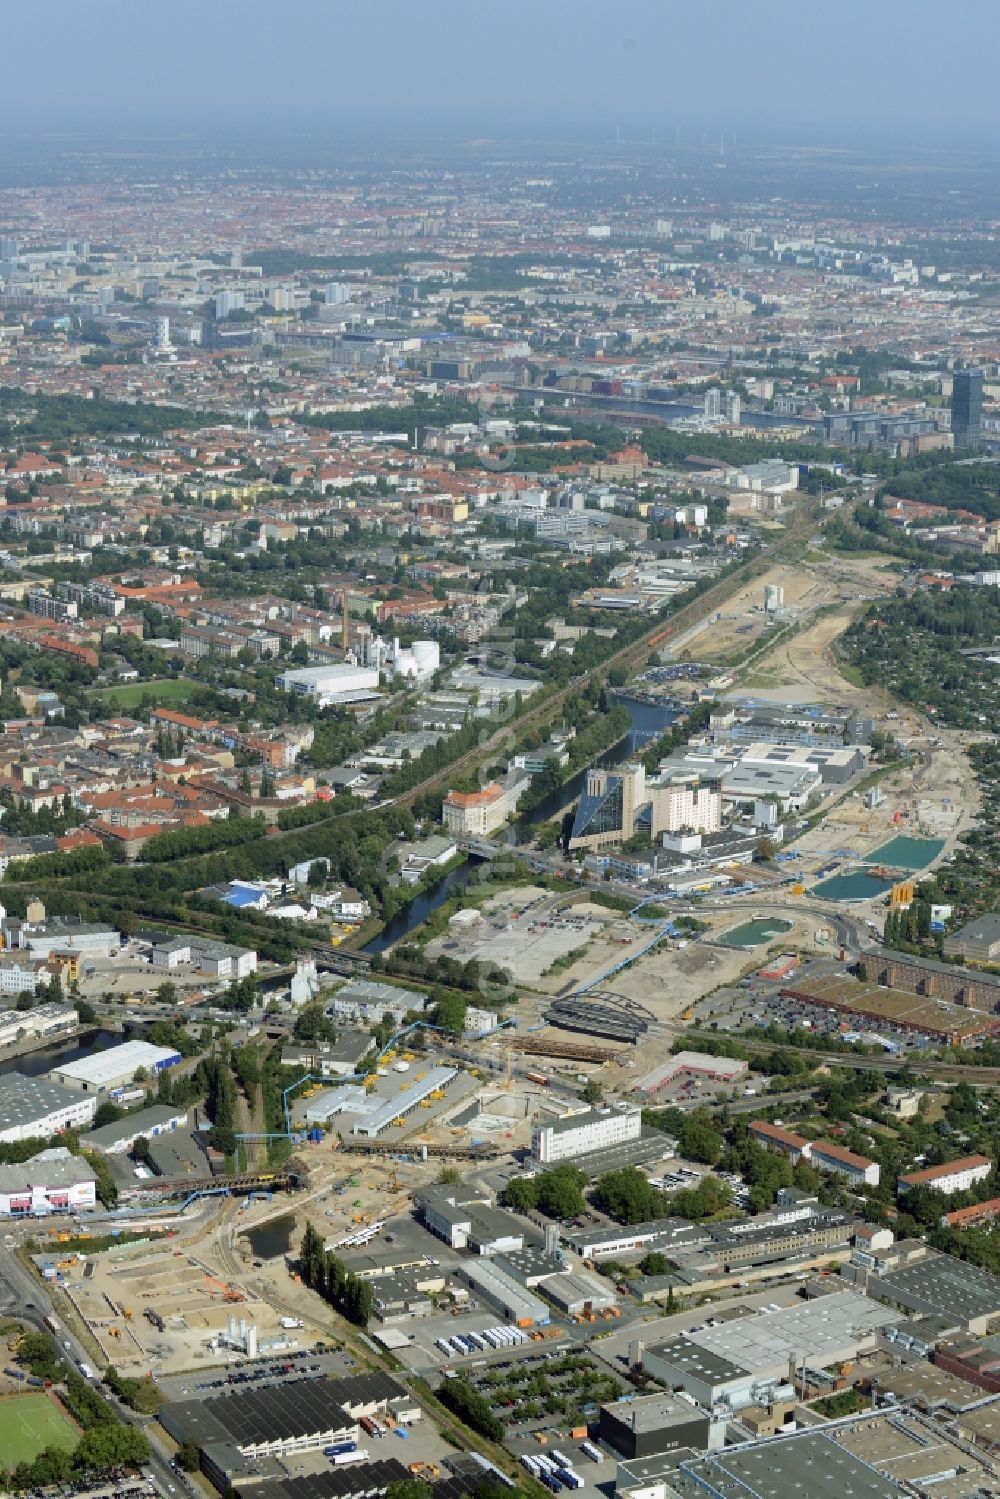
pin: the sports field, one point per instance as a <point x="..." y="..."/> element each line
<point x="163" y="691"/>
<point x="29" y="1424"/>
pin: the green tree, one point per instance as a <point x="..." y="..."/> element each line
<point x="188" y="1456"/>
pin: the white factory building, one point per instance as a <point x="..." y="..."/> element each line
<point x="579" y="1134"/>
<point x="338" y="682"/>
<point x="43" y="1021"/>
<point x="107" y="1070"/>
<point x="32" y="1108"/>
<point x="418" y="662"/>
<point x="54" y="1181"/>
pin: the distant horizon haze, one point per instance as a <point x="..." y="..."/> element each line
<point x="885" y="74"/>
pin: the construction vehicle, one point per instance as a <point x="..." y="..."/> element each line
<point x="229" y="1293"/>
<point x="127" y="1313"/>
<point x="114" y="1332"/>
<point x="425" y="1103"/>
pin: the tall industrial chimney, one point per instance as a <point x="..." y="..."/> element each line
<point x="345" y="636"/>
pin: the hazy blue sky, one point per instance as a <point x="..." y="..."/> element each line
<point x="914" y="68"/>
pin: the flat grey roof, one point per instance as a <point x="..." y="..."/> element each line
<point x="701" y="1363"/>
<point x="945" y="1285"/>
<point x="133" y="1124"/>
<point x="813" y="1331"/>
<point x="655" y="1412"/>
<point x="23" y="1099"/>
<point x="805" y="1463"/>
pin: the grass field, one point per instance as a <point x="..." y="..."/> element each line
<point x="164" y="689"/>
<point x="29" y="1424"/>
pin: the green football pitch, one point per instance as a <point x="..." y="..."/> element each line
<point x="29" y="1424"/>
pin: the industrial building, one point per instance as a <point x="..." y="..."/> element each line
<point x="692" y="1064"/>
<point x="418" y="662"/>
<point x="735" y="1362"/>
<point x="118" y="1137"/>
<point x="653" y="1424"/>
<point x="931" y="978"/>
<point x="904" y="1010"/>
<point x="44" y="1021"/>
<point x="436" y="1080"/>
<point x="835" y="763"/>
<point x="578" y="1134"/>
<point x="337" y="682"/>
<point x="63" y="934"/>
<point x="220" y="960"/>
<point x="952" y="1176"/>
<point x="515" y="1303"/>
<point x="366" y="1002"/>
<point x="54" y="1181"/>
<point x="978" y="941"/>
<point x="579" y="1294"/>
<point x="809" y="1463"/>
<point x="32" y="1108"/>
<point x="239" y="1434"/>
<point x="107" y="1070"/>
<point x="917" y="1279"/>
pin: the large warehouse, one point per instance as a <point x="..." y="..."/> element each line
<point x="235" y="1432"/>
<point x="336" y="683"/>
<point x="31" y="1108"/>
<point x="107" y="1070"/>
<point x="727" y="1363"/>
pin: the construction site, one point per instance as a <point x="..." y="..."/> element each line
<point x="163" y="1310"/>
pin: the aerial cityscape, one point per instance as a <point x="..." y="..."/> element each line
<point x="499" y="761"/>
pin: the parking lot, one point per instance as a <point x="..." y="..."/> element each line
<point x="256" y="1374"/>
<point x="525" y="940"/>
<point x="759" y="1002"/>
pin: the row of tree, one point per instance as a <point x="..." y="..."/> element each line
<point x="324" y="1272"/>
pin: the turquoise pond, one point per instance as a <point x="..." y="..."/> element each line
<point x="753" y="933"/>
<point x="857" y="886"/>
<point x="907" y="853"/>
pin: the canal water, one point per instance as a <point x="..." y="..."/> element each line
<point x="35" y="1063"/>
<point x="648" y="721"/>
<point x="272" y="1239"/>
